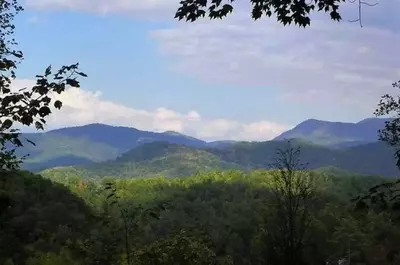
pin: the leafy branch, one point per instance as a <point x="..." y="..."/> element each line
<point x="286" y="12"/>
<point x="25" y="106"/>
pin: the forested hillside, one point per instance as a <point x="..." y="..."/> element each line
<point x="90" y="143"/>
<point x="214" y="218"/>
<point x="172" y="160"/>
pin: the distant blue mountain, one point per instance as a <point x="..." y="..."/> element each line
<point x="91" y="143"/>
<point x="336" y="134"/>
<point x="125" y="138"/>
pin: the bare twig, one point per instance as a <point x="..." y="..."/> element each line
<point x="360" y="4"/>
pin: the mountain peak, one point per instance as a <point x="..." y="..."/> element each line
<point x="172" y="132"/>
<point x="309" y="125"/>
<point x="331" y="133"/>
<point x="90" y="127"/>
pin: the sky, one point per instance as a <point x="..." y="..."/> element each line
<point x="233" y="79"/>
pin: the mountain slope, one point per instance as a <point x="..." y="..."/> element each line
<point x="86" y="144"/>
<point x="370" y="159"/>
<point x="373" y="158"/>
<point x="63" y="161"/>
<point x="261" y="154"/>
<point x="221" y="144"/>
<point x="90" y="143"/>
<point x="54" y="149"/>
<point x="171" y="160"/>
<point x="126" y="138"/>
<point x="149" y="160"/>
<point x="336" y="134"/>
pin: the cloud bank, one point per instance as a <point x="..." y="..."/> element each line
<point x="83" y="107"/>
<point x="334" y="64"/>
<point x="328" y="63"/>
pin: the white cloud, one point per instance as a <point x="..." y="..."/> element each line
<point x="82" y="107"/>
<point x="327" y="62"/>
<point x="135" y="8"/>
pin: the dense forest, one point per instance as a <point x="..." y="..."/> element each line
<point x="214" y="218"/>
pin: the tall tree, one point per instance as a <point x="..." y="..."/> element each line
<point x="25" y="106"/>
<point x="387" y="195"/>
<point x="390" y="105"/>
<point x="294" y="194"/>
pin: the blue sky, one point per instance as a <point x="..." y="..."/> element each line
<point x="231" y="79"/>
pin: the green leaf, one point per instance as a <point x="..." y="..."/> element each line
<point x="29" y="141"/>
<point x="58" y="104"/>
<point x="7" y="124"/>
<point x="82" y="74"/>
<point x="44" y="111"/>
<point x="38" y="125"/>
<point x="72" y="82"/>
<point x="48" y="71"/>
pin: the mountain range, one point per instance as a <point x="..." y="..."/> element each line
<point x="173" y="160"/>
<point x="97" y="150"/>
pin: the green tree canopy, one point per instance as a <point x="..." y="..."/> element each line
<point x="179" y="250"/>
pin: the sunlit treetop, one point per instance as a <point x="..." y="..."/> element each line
<point x="286" y="11"/>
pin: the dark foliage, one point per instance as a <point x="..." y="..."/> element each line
<point x="24" y="106"/>
<point x="37" y="215"/>
<point x="286" y="12"/>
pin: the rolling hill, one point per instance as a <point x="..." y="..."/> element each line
<point x="172" y="160"/>
<point x="149" y="160"/>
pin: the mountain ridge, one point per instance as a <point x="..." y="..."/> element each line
<point x="90" y="143"/>
<point x="94" y="143"/>
<point x="332" y="133"/>
<point x="172" y="160"/>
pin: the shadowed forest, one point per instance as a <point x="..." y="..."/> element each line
<point x="214" y="218"/>
<point x="180" y="200"/>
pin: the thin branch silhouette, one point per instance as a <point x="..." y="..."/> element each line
<point x="360" y="4"/>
